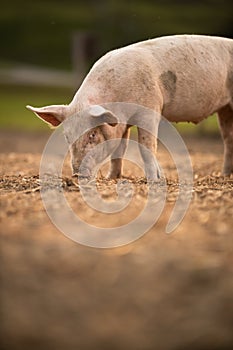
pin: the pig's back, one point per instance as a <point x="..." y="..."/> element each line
<point x="185" y="75"/>
<point x="195" y="71"/>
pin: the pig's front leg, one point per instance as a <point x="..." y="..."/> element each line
<point x="226" y="126"/>
<point x="148" y="148"/>
<point x="116" y="158"/>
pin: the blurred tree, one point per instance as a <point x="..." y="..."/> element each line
<point x="40" y="31"/>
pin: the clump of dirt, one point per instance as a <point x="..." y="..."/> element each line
<point x="19" y="183"/>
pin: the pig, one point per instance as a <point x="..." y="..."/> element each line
<point x="179" y="77"/>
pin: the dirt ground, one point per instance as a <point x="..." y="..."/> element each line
<point x="161" y="292"/>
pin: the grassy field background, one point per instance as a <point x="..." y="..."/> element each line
<point x="13" y="101"/>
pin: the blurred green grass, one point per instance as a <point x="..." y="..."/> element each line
<point x="13" y="101"/>
<point x="208" y="127"/>
<point x="14" y="115"/>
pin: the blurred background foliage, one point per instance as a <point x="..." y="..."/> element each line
<point x="40" y="33"/>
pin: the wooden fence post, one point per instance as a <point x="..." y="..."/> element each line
<point x="84" y="52"/>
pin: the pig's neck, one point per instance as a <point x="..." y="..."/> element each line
<point x="82" y="100"/>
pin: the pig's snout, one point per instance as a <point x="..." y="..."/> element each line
<point x="85" y="168"/>
<point x="82" y="172"/>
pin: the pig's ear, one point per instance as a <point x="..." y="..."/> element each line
<point x="53" y="115"/>
<point x="104" y="115"/>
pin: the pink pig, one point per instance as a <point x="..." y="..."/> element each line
<point x="181" y="77"/>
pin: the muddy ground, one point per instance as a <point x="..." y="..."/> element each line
<point x="160" y="292"/>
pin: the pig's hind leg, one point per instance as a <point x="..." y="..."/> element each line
<point x="225" y="116"/>
<point x="117" y="157"/>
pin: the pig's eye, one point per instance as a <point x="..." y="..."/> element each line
<point x="92" y="136"/>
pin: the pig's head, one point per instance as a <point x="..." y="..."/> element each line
<point x="85" y="154"/>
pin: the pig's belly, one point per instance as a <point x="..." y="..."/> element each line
<point x="186" y="114"/>
<point x="192" y="109"/>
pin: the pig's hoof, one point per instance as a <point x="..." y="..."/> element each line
<point x="157" y="185"/>
<point x="153" y="181"/>
<point x="113" y="176"/>
<point x="83" y="178"/>
<point x="154" y="176"/>
<point x="227" y="170"/>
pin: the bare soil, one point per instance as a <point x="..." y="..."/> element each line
<point x="160" y="292"/>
